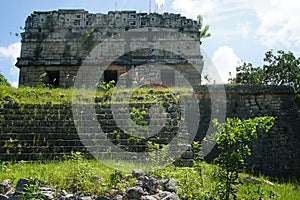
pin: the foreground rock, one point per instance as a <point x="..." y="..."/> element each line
<point x="146" y="188"/>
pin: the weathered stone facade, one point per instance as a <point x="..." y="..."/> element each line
<point x="40" y="131"/>
<point x="57" y="43"/>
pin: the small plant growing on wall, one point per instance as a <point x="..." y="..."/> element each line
<point x="138" y="115"/>
<point x="158" y="153"/>
<point x="106" y="87"/>
<point x="88" y="39"/>
<point x="50" y="22"/>
<point x="37" y="51"/>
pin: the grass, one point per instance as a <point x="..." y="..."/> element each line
<point x="35" y="95"/>
<point x="44" y="95"/>
<point x="193" y="187"/>
<point x="93" y="177"/>
<point x="64" y="174"/>
<point x="193" y="183"/>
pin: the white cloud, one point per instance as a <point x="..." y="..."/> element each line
<point x="213" y="11"/>
<point x="191" y="8"/>
<point x="12" y="51"/>
<point x="225" y="61"/>
<point x="160" y="3"/>
<point x="14" y="84"/>
<point x="243" y="28"/>
<point x="14" y="72"/>
<point x="279" y="22"/>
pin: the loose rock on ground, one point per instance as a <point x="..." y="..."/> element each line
<point x="146" y="188"/>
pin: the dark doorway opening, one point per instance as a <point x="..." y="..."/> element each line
<point x="53" y="78"/>
<point x="110" y="75"/>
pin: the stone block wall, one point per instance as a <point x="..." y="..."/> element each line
<point x="32" y="75"/>
<point x="277" y="152"/>
<point x="30" y="132"/>
<point x="59" y="42"/>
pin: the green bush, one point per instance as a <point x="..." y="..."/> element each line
<point x="3" y="81"/>
<point x="233" y="137"/>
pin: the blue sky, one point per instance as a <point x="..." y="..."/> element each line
<point x="242" y="30"/>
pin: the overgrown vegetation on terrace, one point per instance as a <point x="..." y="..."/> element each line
<point x="223" y="179"/>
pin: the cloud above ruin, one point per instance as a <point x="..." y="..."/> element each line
<point x="278" y="20"/>
<point x="11" y="53"/>
<point x="225" y="61"/>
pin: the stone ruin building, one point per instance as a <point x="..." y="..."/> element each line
<point x="55" y="44"/>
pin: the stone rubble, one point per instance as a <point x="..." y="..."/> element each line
<point x="146" y="188"/>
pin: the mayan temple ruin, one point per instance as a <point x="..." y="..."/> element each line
<point x="55" y="43"/>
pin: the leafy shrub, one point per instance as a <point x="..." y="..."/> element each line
<point x="233" y="137"/>
<point x="3" y="81"/>
<point x="32" y="190"/>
